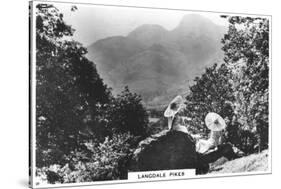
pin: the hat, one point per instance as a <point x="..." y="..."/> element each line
<point x="214" y="122"/>
<point x="174" y="107"/>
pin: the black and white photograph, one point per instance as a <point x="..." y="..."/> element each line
<point x="122" y="94"/>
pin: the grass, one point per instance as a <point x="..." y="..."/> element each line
<point x="253" y="162"/>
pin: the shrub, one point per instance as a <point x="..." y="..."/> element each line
<point x="126" y="113"/>
<point x="102" y="162"/>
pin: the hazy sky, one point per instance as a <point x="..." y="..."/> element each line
<point x="93" y="22"/>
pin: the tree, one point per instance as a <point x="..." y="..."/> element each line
<point x="246" y="48"/>
<point x="127" y="114"/>
<point x="211" y="92"/>
<point x="69" y="92"/>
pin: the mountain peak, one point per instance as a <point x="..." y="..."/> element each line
<point x="196" y="25"/>
<point x="155" y="62"/>
<point x="151" y="28"/>
<point x="148" y="34"/>
<point x="195" y="19"/>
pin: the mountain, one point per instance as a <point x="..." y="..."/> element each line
<point x="155" y="62"/>
<point x="149" y="34"/>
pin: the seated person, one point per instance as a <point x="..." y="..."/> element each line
<point x="175" y="122"/>
<point x="213" y="121"/>
<point x="216" y="124"/>
<point x="208" y="150"/>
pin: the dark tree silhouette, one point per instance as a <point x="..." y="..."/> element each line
<point x="127" y="113"/>
<point x="69" y="91"/>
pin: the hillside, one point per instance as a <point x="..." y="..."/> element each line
<point x="251" y="163"/>
<point x="155" y="62"/>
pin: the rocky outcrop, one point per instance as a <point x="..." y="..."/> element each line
<point x="164" y="151"/>
<point x="175" y="150"/>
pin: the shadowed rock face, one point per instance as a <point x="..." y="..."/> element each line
<point x="175" y="150"/>
<point x="164" y="151"/>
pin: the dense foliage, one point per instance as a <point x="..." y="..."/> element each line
<point x="239" y="88"/>
<point x="246" y="48"/>
<point x="103" y="161"/>
<point x="126" y="113"/>
<point x="74" y="107"/>
<point x="68" y="87"/>
<point x="211" y="92"/>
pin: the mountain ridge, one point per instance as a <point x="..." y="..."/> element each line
<point x="155" y="62"/>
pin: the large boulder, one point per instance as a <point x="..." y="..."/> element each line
<point x="164" y="151"/>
